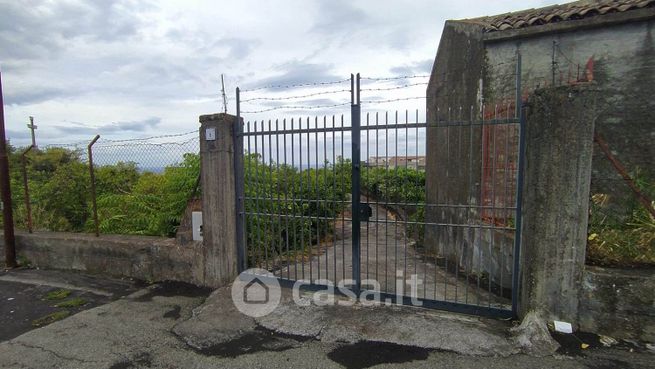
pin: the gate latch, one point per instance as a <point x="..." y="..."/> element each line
<point x="365" y="212"/>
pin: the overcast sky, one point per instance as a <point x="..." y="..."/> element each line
<point x="127" y="69"/>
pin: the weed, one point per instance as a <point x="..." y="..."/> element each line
<point x="50" y="318"/>
<point x="57" y="295"/>
<point x="74" y="302"/>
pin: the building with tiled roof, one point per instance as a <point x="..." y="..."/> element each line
<point x="607" y="45"/>
<point x="559" y="13"/>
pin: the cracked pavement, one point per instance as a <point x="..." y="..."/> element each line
<point x="174" y="325"/>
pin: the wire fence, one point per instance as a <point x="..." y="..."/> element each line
<point x="134" y="186"/>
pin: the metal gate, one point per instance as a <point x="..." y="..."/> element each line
<point x="346" y="200"/>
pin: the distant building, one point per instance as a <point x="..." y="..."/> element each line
<point x="411" y="162"/>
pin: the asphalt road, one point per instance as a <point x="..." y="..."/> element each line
<point x="175" y="325"/>
<point x="24" y="292"/>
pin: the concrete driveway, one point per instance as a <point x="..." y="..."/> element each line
<point x="386" y="251"/>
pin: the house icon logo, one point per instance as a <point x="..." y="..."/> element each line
<point x="256" y="292"/>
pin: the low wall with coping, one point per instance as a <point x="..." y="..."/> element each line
<point x="619" y="303"/>
<point x="140" y="257"/>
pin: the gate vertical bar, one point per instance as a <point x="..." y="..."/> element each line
<point x="355" y="112"/>
<point x="519" y="187"/>
<point x="237" y="136"/>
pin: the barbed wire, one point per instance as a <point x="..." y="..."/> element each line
<point x="396" y="77"/>
<point x="310" y="107"/>
<point x="395" y="87"/>
<point x="67" y="144"/>
<point x="295" y="96"/>
<point x="127" y="143"/>
<point x="83" y="144"/>
<point x="152" y="137"/>
<point x="393" y="100"/>
<point x="270" y="87"/>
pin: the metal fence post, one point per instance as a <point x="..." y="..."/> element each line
<point x="93" y="186"/>
<point x="28" y="207"/>
<point x="355" y="112"/>
<point x="239" y="184"/>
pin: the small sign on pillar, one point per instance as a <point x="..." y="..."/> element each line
<point x="210" y="134"/>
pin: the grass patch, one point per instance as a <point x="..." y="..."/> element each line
<point x="74" y="302"/>
<point x="51" y="318"/>
<point x="57" y="294"/>
<point x="622" y="234"/>
<point x="23" y="261"/>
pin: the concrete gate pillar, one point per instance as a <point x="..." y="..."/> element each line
<point x="219" y="215"/>
<point x="559" y="138"/>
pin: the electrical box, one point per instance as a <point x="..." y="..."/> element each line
<point x="196" y="223"/>
<point x="210" y="134"/>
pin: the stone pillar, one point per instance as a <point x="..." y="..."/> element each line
<point x="218" y="199"/>
<point x="559" y="147"/>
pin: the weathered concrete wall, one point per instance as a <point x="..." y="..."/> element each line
<point x="473" y="68"/>
<point x="218" y="199"/>
<point x="620" y="59"/>
<point x="618" y="303"/>
<point x="452" y="174"/>
<point x="558" y="139"/>
<point x="140" y="257"/>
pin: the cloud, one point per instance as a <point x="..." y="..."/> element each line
<point x="297" y="72"/>
<point x="416" y="68"/>
<point x="338" y="16"/>
<point x="76" y="128"/>
<point x="33" y="95"/>
<point x="41" y="29"/>
<point x="19" y="135"/>
<point x="105" y="61"/>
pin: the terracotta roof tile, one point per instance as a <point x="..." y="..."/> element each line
<point x="559" y="13"/>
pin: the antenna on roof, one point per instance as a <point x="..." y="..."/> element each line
<point x="223" y="93"/>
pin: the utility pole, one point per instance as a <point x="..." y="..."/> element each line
<point x="5" y="189"/>
<point x="223" y="93"/>
<point x="32" y="127"/>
